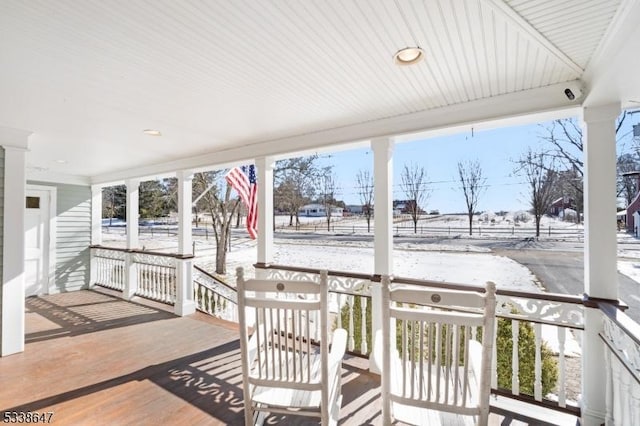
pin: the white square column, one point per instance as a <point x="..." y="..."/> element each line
<point x="185" y="303"/>
<point x="185" y="201"/>
<point x="96" y="229"/>
<point x="96" y="215"/>
<point x="264" y="180"/>
<point x="12" y="299"/>
<point x="131" y="271"/>
<point x="383" y="205"/>
<point x="600" y="253"/>
<point x="383" y="236"/>
<point x="133" y="203"/>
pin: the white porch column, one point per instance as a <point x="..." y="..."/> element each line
<point x="600" y="257"/>
<point x="264" y="170"/>
<point x="185" y="197"/>
<point x="185" y="303"/>
<point x="131" y="275"/>
<point x="383" y="235"/>
<point x="133" y="202"/>
<point x="96" y="215"/>
<point x="96" y="229"/>
<point x="13" y="246"/>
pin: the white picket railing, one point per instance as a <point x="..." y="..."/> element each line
<point x="108" y="268"/>
<point x="156" y="277"/>
<point x="538" y="325"/>
<point x="621" y="336"/>
<point x="214" y="296"/>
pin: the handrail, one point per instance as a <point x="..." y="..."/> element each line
<point x="312" y="271"/>
<point x="623" y="321"/>
<point x="138" y="251"/>
<point x="553" y="297"/>
<point x="214" y="278"/>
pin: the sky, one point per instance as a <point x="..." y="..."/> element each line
<point x="496" y="150"/>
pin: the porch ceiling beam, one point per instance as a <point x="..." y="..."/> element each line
<point x="510" y="109"/>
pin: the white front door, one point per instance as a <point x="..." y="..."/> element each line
<point x="36" y="233"/>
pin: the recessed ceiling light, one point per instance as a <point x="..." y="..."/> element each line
<point x="152" y="132"/>
<point x="61" y="161"/>
<point x="408" y="56"/>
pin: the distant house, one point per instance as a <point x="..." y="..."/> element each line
<point x="632" y="220"/>
<point x="318" y="210"/>
<point x="356" y="209"/>
<point x="559" y="206"/>
<point x="405" y="206"/>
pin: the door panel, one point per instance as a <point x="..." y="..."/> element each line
<point x="36" y="242"/>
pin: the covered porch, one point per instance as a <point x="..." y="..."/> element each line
<point x="68" y="131"/>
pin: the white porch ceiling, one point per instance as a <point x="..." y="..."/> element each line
<point x="87" y="76"/>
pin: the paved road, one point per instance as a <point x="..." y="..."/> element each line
<point x="563" y="272"/>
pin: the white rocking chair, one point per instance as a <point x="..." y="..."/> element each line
<point x="436" y="372"/>
<point x="287" y="367"/>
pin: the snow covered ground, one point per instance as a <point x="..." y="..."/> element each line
<point x="464" y="265"/>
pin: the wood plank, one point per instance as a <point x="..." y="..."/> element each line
<point x="94" y="359"/>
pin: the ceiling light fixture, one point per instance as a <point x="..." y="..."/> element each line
<point x="152" y="132"/>
<point x="61" y="161"/>
<point x="408" y="56"/>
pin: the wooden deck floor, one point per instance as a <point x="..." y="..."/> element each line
<point x="94" y="359"/>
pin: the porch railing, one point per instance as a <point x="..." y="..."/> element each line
<point x="156" y="276"/>
<point x="108" y="268"/>
<point x="539" y="330"/>
<point x="621" y="337"/>
<point x="214" y="296"/>
<point x="537" y="355"/>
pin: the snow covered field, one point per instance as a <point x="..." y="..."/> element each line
<point x="439" y="263"/>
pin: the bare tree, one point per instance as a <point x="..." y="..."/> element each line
<point x="413" y="181"/>
<point x="327" y="189"/>
<point x="473" y="185"/>
<point x="364" y="186"/>
<point x="542" y="177"/>
<point x="294" y="184"/>
<point x="565" y="144"/>
<point x="218" y="203"/>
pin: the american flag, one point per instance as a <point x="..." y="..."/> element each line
<point x="243" y="180"/>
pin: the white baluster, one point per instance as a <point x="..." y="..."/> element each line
<point x="562" y="386"/>
<point x="351" y="338"/>
<point x="609" y="389"/>
<point x="363" y="312"/>
<point x="625" y="397"/>
<point x="537" y="383"/>
<point x="617" y="390"/>
<point x="162" y="285"/>
<point x="339" y="296"/>
<point x="494" y="357"/>
<point x="515" y="367"/>
<point x="635" y="403"/>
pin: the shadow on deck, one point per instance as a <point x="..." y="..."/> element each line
<point x="92" y="358"/>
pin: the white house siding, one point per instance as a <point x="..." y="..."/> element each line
<point x="73" y="235"/>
